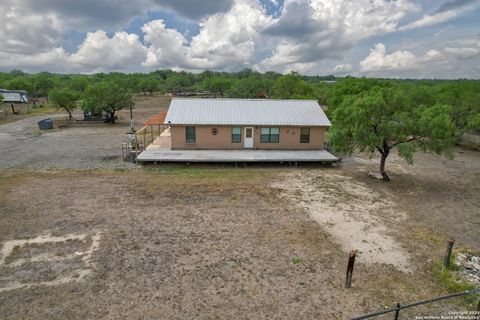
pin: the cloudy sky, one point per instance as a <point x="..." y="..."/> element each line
<point x="402" y="38"/>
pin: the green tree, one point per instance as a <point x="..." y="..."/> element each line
<point x="79" y="83"/>
<point x="106" y="96"/>
<point x="292" y="86"/>
<point x="149" y="84"/>
<point x="217" y="85"/>
<point x="65" y="99"/>
<point x="379" y="120"/>
<point x="350" y="86"/>
<point x="17" y="73"/>
<point x="254" y="86"/>
<point x="43" y="83"/>
<point x="20" y="83"/>
<point x="464" y="97"/>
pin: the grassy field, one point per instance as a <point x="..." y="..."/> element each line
<point x="179" y="241"/>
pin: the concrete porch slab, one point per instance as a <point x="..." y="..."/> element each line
<point x="168" y="155"/>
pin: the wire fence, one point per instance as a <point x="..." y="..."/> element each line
<point x="470" y="315"/>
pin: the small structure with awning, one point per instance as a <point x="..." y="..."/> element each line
<point x="13" y="97"/>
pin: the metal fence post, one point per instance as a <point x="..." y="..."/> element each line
<point x="351" y="263"/>
<point x="448" y="254"/>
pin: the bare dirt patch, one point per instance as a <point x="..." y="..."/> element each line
<point x="46" y="260"/>
<point x="354" y="215"/>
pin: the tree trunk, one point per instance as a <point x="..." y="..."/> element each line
<point x="382" y="166"/>
<point x="13" y="108"/>
<point x="113" y="117"/>
<point x="69" y="115"/>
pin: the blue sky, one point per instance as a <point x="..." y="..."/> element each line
<point x="381" y="38"/>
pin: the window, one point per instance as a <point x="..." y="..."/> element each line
<point x="248" y="133"/>
<point x="190" y="134"/>
<point x="236" y="135"/>
<point x="269" y="135"/>
<point x="305" y="135"/>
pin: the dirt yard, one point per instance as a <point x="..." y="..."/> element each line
<point x="77" y="145"/>
<point x="86" y="237"/>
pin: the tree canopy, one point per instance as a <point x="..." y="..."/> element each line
<point x="65" y="99"/>
<point x="217" y="85"/>
<point x="381" y="118"/>
<point x="463" y="96"/>
<point x="106" y="96"/>
<point x="292" y="86"/>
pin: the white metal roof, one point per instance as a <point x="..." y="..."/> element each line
<point x="14" y="95"/>
<point x="246" y="112"/>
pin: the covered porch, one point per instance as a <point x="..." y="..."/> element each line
<point x="158" y="154"/>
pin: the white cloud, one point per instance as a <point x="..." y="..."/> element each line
<point x="309" y="31"/>
<point x="378" y="59"/>
<point x="166" y="47"/>
<point x="434" y="55"/>
<point x="53" y="60"/>
<point x="26" y="33"/>
<point x="225" y="41"/>
<point x="443" y="62"/>
<point x="309" y="36"/>
<point x="229" y="39"/>
<point x="449" y="10"/>
<point x="428" y="20"/>
<point x="85" y="15"/>
<point x="463" y="53"/>
<point x="98" y="52"/>
<point x="341" y="68"/>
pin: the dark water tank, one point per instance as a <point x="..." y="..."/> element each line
<point x="45" y="124"/>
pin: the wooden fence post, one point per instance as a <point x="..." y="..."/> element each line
<point x="351" y="263"/>
<point x="397" y="311"/>
<point x="448" y="254"/>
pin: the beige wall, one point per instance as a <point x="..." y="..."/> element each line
<point x="289" y="138"/>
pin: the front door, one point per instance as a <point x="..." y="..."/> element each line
<point x="248" y="140"/>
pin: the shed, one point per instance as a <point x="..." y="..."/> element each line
<point x="14" y="96"/>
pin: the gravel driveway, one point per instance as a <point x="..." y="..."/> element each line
<point x="82" y="146"/>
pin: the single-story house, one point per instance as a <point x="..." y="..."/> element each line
<point x="14" y="96"/>
<point x="246" y="124"/>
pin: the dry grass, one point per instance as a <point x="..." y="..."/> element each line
<point x="201" y="242"/>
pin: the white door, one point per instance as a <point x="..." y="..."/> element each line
<point x="248" y="139"/>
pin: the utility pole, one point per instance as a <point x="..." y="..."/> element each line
<point x="131" y="118"/>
